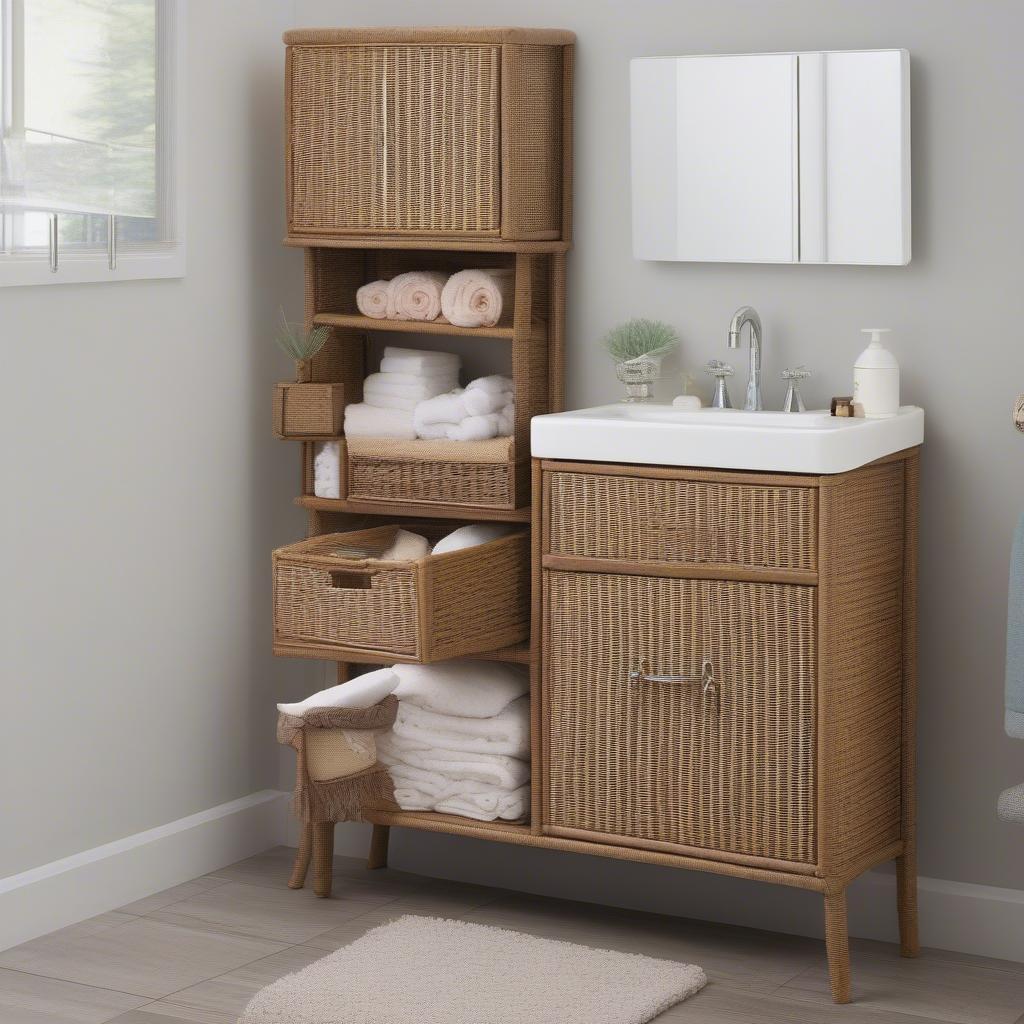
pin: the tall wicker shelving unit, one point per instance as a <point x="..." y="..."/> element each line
<point x="428" y="149"/>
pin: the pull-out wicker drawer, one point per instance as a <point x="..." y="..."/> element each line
<point x="662" y="521"/>
<point x="334" y="593"/>
<point x="664" y="764"/>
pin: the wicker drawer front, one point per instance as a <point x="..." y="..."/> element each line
<point x="682" y="521"/>
<point x="660" y="763"/>
<point x="394" y="138"/>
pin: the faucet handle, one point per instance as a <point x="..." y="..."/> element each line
<point x="721" y="372"/>
<point x="793" y="401"/>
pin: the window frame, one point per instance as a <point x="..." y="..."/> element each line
<point x="134" y="261"/>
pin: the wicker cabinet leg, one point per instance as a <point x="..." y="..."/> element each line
<point x="302" y="857"/>
<point x="323" y="857"/>
<point x="906" y="903"/>
<point x="378" y="857"/>
<point x="837" y="946"/>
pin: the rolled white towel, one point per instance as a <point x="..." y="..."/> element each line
<point x="327" y="470"/>
<point x="506" y="733"/>
<point x="495" y="383"/>
<point x="406" y="547"/>
<point x="495" y="769"/>
<point x="480" y="402"/>
<point x="470" y="689"/>
<point x="469" y="537"/>
<point x="364" y="420"/>
<point x="507" y="420"/>
<point x="433" y="431"/>
<point x="475" y="428"/>
<point x="419" y="361"/>
<point x="446" y="408"/>
<point x="476" y="298"/>
<point x="425" y="387"/>
<point x="359" y="692"/>
<point x="372" y="299"/>
<point x="416" y="295"/>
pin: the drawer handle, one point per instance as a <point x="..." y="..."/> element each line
<point x="706" y="679"/>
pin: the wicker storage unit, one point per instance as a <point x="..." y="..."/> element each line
<point x="457" y="132"/>
<point x="309" y="410"/>
<point x="328" y="594"/>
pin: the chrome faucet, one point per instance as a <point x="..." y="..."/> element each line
<point x="748" y="315"/>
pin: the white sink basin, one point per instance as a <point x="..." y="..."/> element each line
<point x="661" y="435"/>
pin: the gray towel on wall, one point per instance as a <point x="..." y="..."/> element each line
<point x="1015" y="639"/>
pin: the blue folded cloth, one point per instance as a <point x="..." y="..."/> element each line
<point x="1015" y="639"/>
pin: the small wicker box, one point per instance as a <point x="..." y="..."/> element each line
<point x="331" y="594"/>
<point x="308" y="410"/>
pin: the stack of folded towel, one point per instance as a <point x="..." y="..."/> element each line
<point x="470" y="298"/>
<point x="461" y="741"/>
<point x="484" y="409"/>
<point x="407" y="377"/>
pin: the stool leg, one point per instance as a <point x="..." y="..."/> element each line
<point x="323" y="857"/>
<point x="837" y="946"/>
<point x="906" y="903"/>
<point x="378" y="857"/>
<point x="302" y="857"/>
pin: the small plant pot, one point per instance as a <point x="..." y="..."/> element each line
<point x="309" y="411"/>
<point x="639" y="375"/>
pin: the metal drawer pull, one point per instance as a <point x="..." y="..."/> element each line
<point x="706" y="679"/>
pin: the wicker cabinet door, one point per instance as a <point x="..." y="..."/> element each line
<point x="394" y="139"/>
<point x="666" y="764"/>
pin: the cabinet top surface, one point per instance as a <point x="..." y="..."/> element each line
<point x="454" y="35"/>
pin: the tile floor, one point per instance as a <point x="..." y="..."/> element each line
<point x="195" y="954"/>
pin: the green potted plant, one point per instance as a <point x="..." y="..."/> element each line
<point x="638" y="346"/>
<point x="306" y="409"/>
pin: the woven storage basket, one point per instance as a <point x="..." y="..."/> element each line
<point x="444" y="606"/>
<point x="480" y="473"/>
<point x="308" y="410"/>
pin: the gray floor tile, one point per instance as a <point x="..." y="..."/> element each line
<point x="176" y="894"/>
<point x="29" y="999"/>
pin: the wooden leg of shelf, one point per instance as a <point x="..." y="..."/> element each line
<point x="378" y="857"/>
<point x="906" y="903"/>
<point x="837" y="946"/>
<point x="302" y="858"/>
<point x="323" y="857"/>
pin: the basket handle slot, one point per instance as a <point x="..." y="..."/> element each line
<point x="351" y="580"/>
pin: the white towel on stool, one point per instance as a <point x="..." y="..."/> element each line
<point x="476" y="298"/>
<point x="416" y="295"/>
<point x="364" y="420"/>
<point x="470" y="689"/>
<point x="359" y="692"/>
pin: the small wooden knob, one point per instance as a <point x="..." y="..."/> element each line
<point x="1018" y="414"/>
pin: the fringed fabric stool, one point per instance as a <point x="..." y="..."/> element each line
<point x="336" y="774"/>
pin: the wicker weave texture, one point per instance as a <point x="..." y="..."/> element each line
<point x="463" y="602"/>
<point x="682" y="521"/>
<point x="308" y="410"/>
<point x="659" y="762"/>
<point x="412" y="132"/>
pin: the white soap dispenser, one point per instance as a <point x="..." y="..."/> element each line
<point x="876" y="379"/>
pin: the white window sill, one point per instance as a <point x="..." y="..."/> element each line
<point x="92" y="268"/>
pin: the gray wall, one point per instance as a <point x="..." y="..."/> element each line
<point x="956" y="331"/>
<point x="143" y="492"/>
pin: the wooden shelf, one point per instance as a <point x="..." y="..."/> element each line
<point x="355" y="321"/>
<point x="429" y="243"/>
<point x="433" y="821"/>
<point x="475" y="513"/>
<point x="354" y="656"/>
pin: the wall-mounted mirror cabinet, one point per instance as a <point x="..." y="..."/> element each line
<point x="772" y="158"/>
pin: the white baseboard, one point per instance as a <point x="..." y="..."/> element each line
<point x="94" y="881"/>
<point x="959" y="916"/>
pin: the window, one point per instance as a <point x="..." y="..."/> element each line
<point x="90" y="189"/>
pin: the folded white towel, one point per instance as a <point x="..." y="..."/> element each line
<point x="372" y="299"/>
<point x="441" y="376"/>
<point x="365" y="420"/>
<point x="359" y="692"/>
<point x="406" y="547"/>
<point x="446" y="408"/>
<point x="480" y="402"/>
<point x="327" y="470"/>
<point x="475" y="428"/>
<point x="379" y="401"/>
<point x="476" y="298"/>
<point x="421" y="389"/>
<point x="469" y="537"/>
<point x="416" y="295"/>
<point x="470" y="689"/>
<point x="507" y="806"/>
<point x="419" y="361"/>
<point x="506" y="733"/>
<point x="493" y="769"/>
<point x="438" y="785"/>
<point x="495" y="384"/>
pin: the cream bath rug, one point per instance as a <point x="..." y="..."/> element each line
<point x="427" y="970"/>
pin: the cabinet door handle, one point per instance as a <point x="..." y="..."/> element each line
<point x="706" y="679"/>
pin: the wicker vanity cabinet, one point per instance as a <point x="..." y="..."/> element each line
<point x="728" y="673"/>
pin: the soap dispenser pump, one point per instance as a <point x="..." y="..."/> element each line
<point x="876" y="379"/>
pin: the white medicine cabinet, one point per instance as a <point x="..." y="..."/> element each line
<point x="772" y="158"/>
